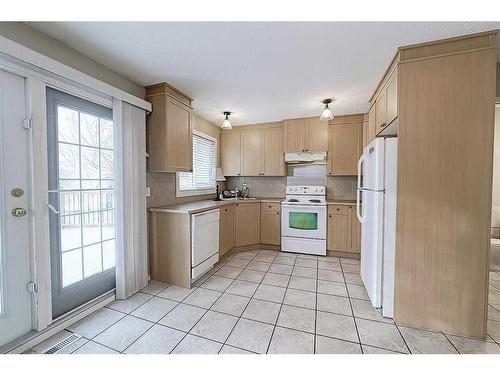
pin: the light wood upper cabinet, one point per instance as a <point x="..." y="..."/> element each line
<point x="306" y="134"/>
<point x="372" y="125"/>
<point x="392" y="98"/>
<point x="231" y="153"/>
<point x="169" y="130"/>
<point x="270" y="220"/>
<point x="252" y="153"/>
<point x="346" y="142"/>
<point x="317" y="135"/>
<point x="274" y="161"/>
<point x="295" y="135"/>
<point x="226" y="229"/>
<point x="247" y="224"/>
<point x="381" y="111"/>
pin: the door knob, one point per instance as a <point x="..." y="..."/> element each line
<point x="18" y="212"/>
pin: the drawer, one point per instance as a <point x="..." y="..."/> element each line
<point x="270" y="207"/>
<point x="337" y="209"/>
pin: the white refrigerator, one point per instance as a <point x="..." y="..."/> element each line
<point x="376" y="210"/>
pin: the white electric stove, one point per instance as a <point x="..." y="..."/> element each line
<point x="303" y="220"/>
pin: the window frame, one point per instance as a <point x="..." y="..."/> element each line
<point x="189" y="193"/>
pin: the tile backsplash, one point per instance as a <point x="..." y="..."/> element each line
<point x="338" y="187"/>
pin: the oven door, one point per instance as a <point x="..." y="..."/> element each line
<point x="303" y="221"/>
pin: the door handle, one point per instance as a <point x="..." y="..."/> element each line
<point x="19" y="212"/>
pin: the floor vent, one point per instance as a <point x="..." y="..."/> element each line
<point x="64" y="343"/>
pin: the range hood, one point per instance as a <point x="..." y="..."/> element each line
<point x="305" y="157"/>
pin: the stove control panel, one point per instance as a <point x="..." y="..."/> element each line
<point x="306" y="190"/>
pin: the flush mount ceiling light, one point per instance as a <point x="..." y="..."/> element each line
<point x="327" y="114"/>
<point x="226" y="124"/>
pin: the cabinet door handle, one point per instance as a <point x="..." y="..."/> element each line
<point x="269" y="206"/>
<point x="329" y="215"/>
<point x="277" y="213"/>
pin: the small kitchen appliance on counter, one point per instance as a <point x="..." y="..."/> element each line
<point x="303" y="220"/>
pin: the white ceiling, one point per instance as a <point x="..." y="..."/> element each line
<point x="261" y="71"/>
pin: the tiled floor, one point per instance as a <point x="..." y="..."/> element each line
<point x="265" y="302"/>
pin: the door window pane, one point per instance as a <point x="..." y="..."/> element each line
<point x="303" y="220"/>
<point x="85" y="143"/>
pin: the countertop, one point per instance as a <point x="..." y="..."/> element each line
<point x="205" y="205"/>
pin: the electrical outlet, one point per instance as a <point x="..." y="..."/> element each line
<point x="148" y="191"/>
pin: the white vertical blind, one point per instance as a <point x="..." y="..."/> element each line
<point x="203" y="175"/>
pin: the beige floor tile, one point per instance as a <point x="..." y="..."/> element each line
<point x="263" y="311"/>
<point x="51" y="341"/>
<point x="249" y="254"/>
<point x="493" y="314"/>
<point x="270" y="293"/>
<point x="226" y="349"/>
<point x="328" y="345"/>
<point x="197" y="345"/>
<point x="71" y="348"/>
<point x="268" y="252"/>
<point x="95" y="323"/>
<point x="94" y="348"/>
<point x="345" y="261"/>
<point x="183" y="317"/>
<point x="229" y="272"/>
<point x="276" y="279"/>
<point x="242" y="288"/>
<point x="286" y="260"/>
<point x="154" y="309"/>
<point x="367" y="349"/>
<point x="251" y="335"/>
<point x="332" y="287"/>
<point x="329" y="266"/>
<point x="265" y="258"/>
<point x="351" y="278"/>
<point x="297" y="318"/>
<point x="357" y="291"/>
<point x="351" y="268"/>
<point x="258" y="266"/>
<point x="381" y="335"/>
<point x="426" y="342"/>
<point x="334" y="304"/>
<point x="329" y="259"/>
<point x="202" y="298"/>
<point x="466" y="345"/>
<point x="131" y="303"/>
<point x="251" y="276"/>
<point x="176" y="293"/>
<point x="495" y="276"/>
<point x="288" y="341"/>
<point x="330" y="275"/>
<point x="287" y="254"/>
<point x="300" y="298"/>
<point x="123" y="333"/>
<point x="230" y="304"/>
<point x="215" y="326"/>
<point x="494" y="330"/>
<point x="494" y="296"/>
<point x="238" y="263"/>
<point x="365" y="310"/>
<point x="282" y="269"/>
<point x="336" y="326"/>
<point x="158" y="340"/>
<point x="154" y="287"/>
<point x="217" y="283"/>
<point x="302" y="283"/>
<point x="305" y="272"/>
<point x="202" y="279"/>
<point x="305" y="262"/>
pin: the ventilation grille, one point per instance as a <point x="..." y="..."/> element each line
<point x="64" y="343"/>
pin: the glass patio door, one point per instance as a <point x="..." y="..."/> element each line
<point x="81" y="199"/>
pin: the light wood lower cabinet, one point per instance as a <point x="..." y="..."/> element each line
<point x="343" y="229"/>
<point x="247" y="224"/>
<point x="226" y="229"/>
<point x="270" y="222"/>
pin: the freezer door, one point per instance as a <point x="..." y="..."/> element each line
<point x="373" y="166"/>
<point x="372" y="245"/>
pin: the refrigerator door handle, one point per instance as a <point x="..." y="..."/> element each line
<point x="360" y="162"/>
<point x="358" y="206"/>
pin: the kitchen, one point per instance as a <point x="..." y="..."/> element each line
<point x="319" y="231"/>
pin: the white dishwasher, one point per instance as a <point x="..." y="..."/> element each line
<point x="204" y="242"/>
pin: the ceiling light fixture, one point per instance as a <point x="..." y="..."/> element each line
<point x="226" y="124"/>
<point x="327" y="114"/>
